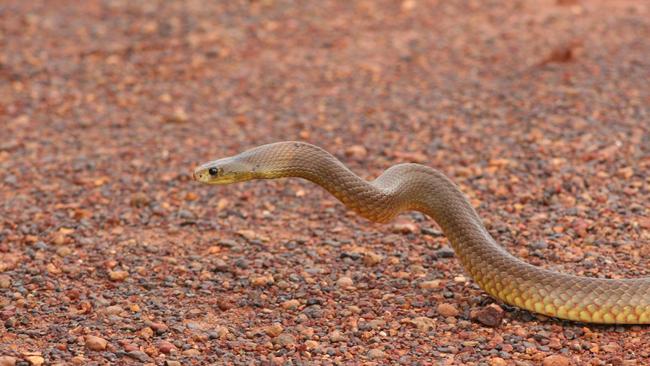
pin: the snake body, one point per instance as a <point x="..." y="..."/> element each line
<point x="417" y="187"/>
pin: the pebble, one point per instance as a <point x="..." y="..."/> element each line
<point x="166" y="347"/>
<point x="423" y="323"/>
<point x="556" y="360"/>
<point x="490" y="316"/>
<point x="539" y="245"/>
<point x="139" y="200"/>
<point x="7" y="361"/>
<point x="498" y="361"/>
<point x="138" y="355"/>
<point x="113" y="310"/>
<point x="63" y="252"/>
<point x="404" y="228"/>
<point x="221" y="331"/>
<point x="290" y="304"/>
<point x="376" y="354"/>
<point x="35" y="360"/>
<point x="220" y="265"/>
<point x="5" y="281"/>
<point x="146" y="333"/>
<point x="172" y="363"/>
<point x="447" y="310"/>
<point x="95" y="343"/>
<point x="273" y="330"/>
<point x="372" y="258"/>
<point x="310" y="344"/>
<point x="262" y="281"/>
<point x="159" y="328"/>
<point x="337" y="336"/>
<point x="118" y="276"/>
<point x="428" y="285"/>
<point x="285" y="339"/>
<point x="611" y="348"/>
<point x="356" y="151"/>
<point x="444" y="252"/>
<point x="345" y="282"/>
<point x="191" y="352"/>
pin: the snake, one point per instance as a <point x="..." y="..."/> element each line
<point x="416" y="187"/>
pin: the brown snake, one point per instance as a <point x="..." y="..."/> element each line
<point x="417" y="187"/>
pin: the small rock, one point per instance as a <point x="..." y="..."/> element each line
<point x="35" y="360"/>
<point x="159" y="328"/>
<point x="427" y="285"/>
<point x="95" y="343"/>
<point x="498" y="361"/>
<point x="345" y="282"/>
<point x="290" y="304"/>
<point x="113" y="310"/>
<point x="191" y="352"/>
<point x="179" y="116"/>
<point x="626" y="173"/>
<point x="166" y="347"/>
<point x="447" y="310"/>
<point x="7" y="361"/>
<point x="423" y="323"/>
<point x="221" y="266"/>
<point x="221" y="331"/>
<point x="611" y="348"/>
<point x="337" y="336"/>
<point x="138" y="355"/>
<point x="130" y="347"/>
<point x="554" y="343"/>
<point x="460" y="279"/>
<point x="376" y="354"/>
<point x="556" y="360"/>
<point x="580" y="227"/>
<point x="285" y="340"/>
<point x="273" y="330"/>
<point x="356" y="151"/>
<point x="444" y="252"/>
<point x="139" y="200"/>
<point x="404" y="227"/>
<point x="146" y="333"/>
<point x="172" y="363"/>
<point x="539" y="245"/>
<point x="118" y="275"/>
<point x="224" y="305"/>
<point x="371" y="258"/>
<point x="262" y="281"/>
<point x="644" y="222"/>
<point x="5" y="282"/>
<point x="63" y="251"/>
<point x="490" y="316"/>
<point x="311" y="344"/>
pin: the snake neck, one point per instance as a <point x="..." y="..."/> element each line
<point x="401" y="188"/>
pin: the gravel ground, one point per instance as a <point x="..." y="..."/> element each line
<point x="110" y="254"/>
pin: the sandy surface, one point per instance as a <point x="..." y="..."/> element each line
<point x="110" y="254"/>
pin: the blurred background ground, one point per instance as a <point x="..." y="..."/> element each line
<point x="109" y="253"/>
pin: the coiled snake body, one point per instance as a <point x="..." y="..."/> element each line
<point x="417" y="187"/>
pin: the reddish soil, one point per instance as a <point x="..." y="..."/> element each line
<point x="111" y="254"/>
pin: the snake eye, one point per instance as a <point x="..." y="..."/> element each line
<point x="213" y="171"/>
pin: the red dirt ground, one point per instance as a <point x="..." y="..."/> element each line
<point x="110" y="254"/>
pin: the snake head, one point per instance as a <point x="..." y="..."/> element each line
<point x="224" y="171"/>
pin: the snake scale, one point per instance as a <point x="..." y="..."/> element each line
<point x="417" y="187"/>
